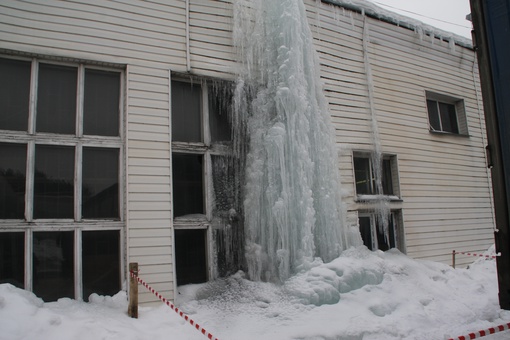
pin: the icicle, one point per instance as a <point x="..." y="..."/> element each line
<point x="292" y="202"/>
<point x="382" y="206"/>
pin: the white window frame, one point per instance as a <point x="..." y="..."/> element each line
<point x="396" y="216"/>
<point x="395" y="180"/>
<point x="460" y="113"/>
<point x="30" y="138"/>
<point x="207" y="149"/>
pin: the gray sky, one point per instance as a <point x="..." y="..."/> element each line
<point x="448" y="15"/>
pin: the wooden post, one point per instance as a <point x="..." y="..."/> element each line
<point x="133" y="291"/>
<point x="453" y="259"/>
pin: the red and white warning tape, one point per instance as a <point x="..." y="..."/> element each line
<point x="175" y="309"/>
<point x="485" y="332"/>
<point x="481" y="255"/>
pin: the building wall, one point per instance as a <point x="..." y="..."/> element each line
<point x="444" y="185"/>
<point x="444" y="182"/>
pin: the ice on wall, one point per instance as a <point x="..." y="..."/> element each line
<point x="292" y="207"/>
<point x="369" y="8"/>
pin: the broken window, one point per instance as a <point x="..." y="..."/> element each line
<point x="375" y="233"/>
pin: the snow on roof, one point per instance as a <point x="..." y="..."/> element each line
<point x="372" y="10"/>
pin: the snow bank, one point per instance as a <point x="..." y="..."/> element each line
<point x="360" y="295"/>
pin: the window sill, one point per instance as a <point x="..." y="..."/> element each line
<point x="444" y="133"/>
<point x="375" y="198"/>
<point x="195" y="221"/>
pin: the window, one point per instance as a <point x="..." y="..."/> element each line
<point x="379" y="205"/>
<point x="446" y="114"/>
<point x="201" y="135"/>
<point x="377" y="234"/>
<point x="364" y="175"/>
<point x="60" y="158"/>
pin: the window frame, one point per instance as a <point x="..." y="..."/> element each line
<point x="78" y="141"/>
<point x="460" y="113"/>
<point x="396" y="216"/>
<point x="207" y="148"/>
<point x="394" y="175"/>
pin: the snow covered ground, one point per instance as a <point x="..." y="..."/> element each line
<point x="360" y="295"/>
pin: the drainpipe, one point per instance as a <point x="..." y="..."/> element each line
<point x="188" y="62"/>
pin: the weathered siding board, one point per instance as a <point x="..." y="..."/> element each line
<point x="134" y="32"/>
<point x="443" y="180"/>
<point x="149" y="177"/>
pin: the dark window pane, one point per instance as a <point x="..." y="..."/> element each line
<point x="362" y="176"/>
<point x="385" y="241"/>
<point x="56" y="99"/>
<point x="100" y="191"/>
<point x="12" y="259"/>
<point x="190" y="256"/>
<point x="14" y="94"/>
<point x="448" y="117"/>
<point x="53" y="261"/>
<point x="365" y="229"/>
<point x="186" y="112"/>
<point x="219" y="106"/>
<point x="54" y="182"/>
<point x="100" y="262"/>
<point x="101" y="103"/>
<point x="12" y="180"/>
<point x="387" y="181"/>
<point x="187" y="184"/>
<point x="433" y="115"/>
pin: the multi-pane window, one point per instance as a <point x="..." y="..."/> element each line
<point x="364" y="175"/>
<point x="379" y="203"/>
<point x="60" y="173"/>
<point x="446" y="114"/>
<point x="200" y="135"/>
<point x="378" y="235"/>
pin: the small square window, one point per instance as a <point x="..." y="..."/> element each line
<point x="374" y="234"/>
<point x="446" y="114"/>
<point x="364" y="175"/>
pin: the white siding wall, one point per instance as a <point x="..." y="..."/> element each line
<point x="148" y="37"/>
<point x="444" y="183"/>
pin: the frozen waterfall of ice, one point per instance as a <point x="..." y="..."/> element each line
<point x="293" y="210"/>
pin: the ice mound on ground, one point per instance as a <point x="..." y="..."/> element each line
<point x="324" y="283"/>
